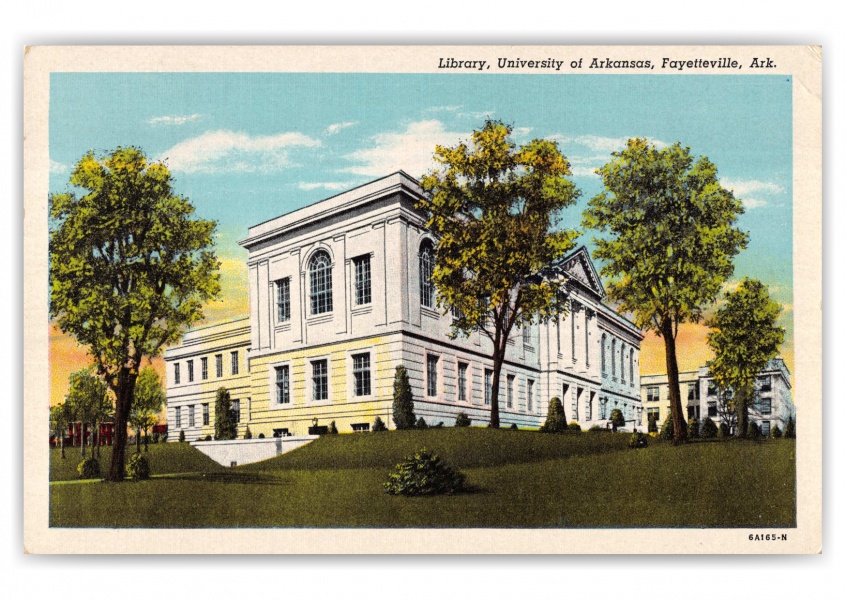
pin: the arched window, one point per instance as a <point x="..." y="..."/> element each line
<point x="614" y="358"/>
<point x="320" y="283"/>
<point x="427" y="267"/>
<point x="631" y="367"/>
<point x="602" y="355"/>
<point x="622" y="363"/>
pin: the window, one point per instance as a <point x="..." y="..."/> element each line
<point x="360" y="426"/>
<point x="236" y="410"/>
<point x="362" y="279"/>
<point x="765" y="405"/>
<point x="361" y="374"/>
<point x="575" y="406"/>
<point x="622" y="363"/>
<point x="693" y="412"/>
<point x="527" y="334"/>
<point x="281" y="432"/>
<point x="631" y="368"/>
<point x="712" y="388"/>
<point x="427" y="268"/>
<point x="319" y="380"/>
<point x="602" y="355"/>
<point x="178" y="412"/>
<point x="765" y="428"/>
<point x="431" y="375"/>
<point x="488" y="386"/>
<point x="320" y="283"/>
<point x="234" y="357"/>
<point x="283" y="300"/>
<point x="692" y="392"/>
<point x="191" y="415"/>
<point x="654" y="415"/>
<point x="462" y="382"/>
<point x="176" y="373"/>
<point x="204" y="368"/>
<point x="190" y="371"/>
<point x="218" y="365"/>
<point x="765" y="383"/>
<point x="206" y="413"/>
<point x="509" y="391"/>
<point x="614" y="359"/>
<point x="712" y="409"/>
<point x="530" y="393"/>
<point x="587" y="338"/>
<point x="589" y="407"/>
<point x="573" y="309"/>
<point x="283" y="385"/>
<point x="653" y="393"/>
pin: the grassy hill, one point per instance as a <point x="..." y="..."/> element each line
<point x="519" y="479"/>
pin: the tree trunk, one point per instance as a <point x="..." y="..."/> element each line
<point x="82" y="438"/>
<point x="679" y="425"/>
<point x="497" y="367"/>
<point x="146" y="440"/>
<point x="62" y="442"/>
<point x="138" y="440"/>
<point x="123" y="404"/>
<point x="740" y="409"/>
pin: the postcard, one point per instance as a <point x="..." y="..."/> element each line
<point x="423" y="299"/>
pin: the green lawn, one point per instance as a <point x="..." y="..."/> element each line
<point x="519" y="479"/>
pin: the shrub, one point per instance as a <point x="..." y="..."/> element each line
<point x="164" y="438"/>
<point x="574" y="427"/>
<point x="379" y="424"/>
<point x="709" y="428"/>
<point x="462" y="420"/>
<point x="638" y="440"/>
<point x="775" y="433"/>
<point x="790" y="428"/>
<point x="724" y="431"/>
<point x="89" y="468"/>
<point x="668" y="429"/>
<point x="513" y="427"/>
<point x="403" y="407"/>
<point x="332" y="429"/>
<point x="617" y="419"/>
<point x="261" y="436"/>
<point x="693" y="428"/>
<point x="155" y="438"/>
<point x="138" y="467"/>
<point x="555" y="419"/>
<point x="752" y="431"/>
<point x="652" y="423"/>
<point x="248" y="435"/>
<point x="596" y="428"/>
<point x="424" y="474"/>
<point x="225" y="427"/>
<point x="208" y="438"/>
<point x="421" y="424"/>
<point x="181" y="435"/>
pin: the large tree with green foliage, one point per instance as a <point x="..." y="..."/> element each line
<point x="668" y="243"/>
<point x="147" y="404"/>
<point x="495" y="210"/>
<point x="744" y="337"/>
<point x="130" y="269"/>
<point x="88" y="402"/>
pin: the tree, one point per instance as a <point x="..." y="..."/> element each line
<point x="403" y="407"/>
<point x="60" y="419"/>
<point x="556" y="421"/>
<point x="147" y="403"/>
<point x="88" y="401"/>
<point x="225" y="427"/>
<point x="790" y="428"/>
<point x="744" y="337"/>
<point x="129" y="269"/>
<point x="726" y="409"/>
<point x="495" y="211"/>
<point x="669" y="242"/>
<point x="617" y="419"/>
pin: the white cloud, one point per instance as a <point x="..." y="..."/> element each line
<point x="750" y="186"/>
<point x="57" y="167"/>
<point x="410" y="150"/>
<point x="336" y="127"/>
<point x="324" y="185"/>
<point x="229" y="151"/>
<point x="174" y="119"/>
<point x="581" y="151"/>
<point x="753" y="202"/>
<point x="521" y="132"/>
<point x="443" y="108"/>
<point x="477" y="114"/>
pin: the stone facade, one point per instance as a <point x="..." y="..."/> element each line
<point x="339" y="296"/>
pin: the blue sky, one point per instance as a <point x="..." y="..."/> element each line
<point x="248" y="147"/>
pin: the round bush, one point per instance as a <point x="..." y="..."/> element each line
<point x="574" y="427"/>
<point x="709" y="428"/>
<point x="595" y="428"/>
<point x="89" y="468"/>
<point x="138" y="467"/>
<point x="424" y="474"/>
<point x="379" y="425"/>
<point x="693" y="429"/>
<point x="261" y="436"/>
<point x="638" y="440"/>
<point x="776" y="432"/>
<point x="462" y="420"/>
<point x="752" y="431"/>
<point x="724" y="431"/>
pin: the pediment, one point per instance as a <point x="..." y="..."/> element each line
<point x="579" y="267"/>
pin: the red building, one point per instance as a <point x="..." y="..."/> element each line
<point x="76" y="431"/>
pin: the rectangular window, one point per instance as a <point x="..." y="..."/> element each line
<point x="206" y="413"/>
<point x="190" y="371"/>
<point x="176" y="373"/>
<point x="488" y="386"/>
<point x="218" y="365"/>
<point x="319" y="380"/>
<point x="766" y="405"/>
<point x="204" y="368"/>
<point x="234" y="358"/>
<point x="509" y="391"/>
<point x="191" y="415"/>
<point x="530" y="393"/>
<point x="431" y="375"/>
<point x="178" y="412"/>
<point x="765" y="383"/>
<point x="576" y="400"/>
<point x="283" y="385"/>
<point x="361" y="426"/>
<point x="527" y="334"/>
<point x="236" y="410"/>
<point x="361" y="374"/>
<point x="283" y="300"/>
<point x="462" y="382"/>
<point x="653" y="394"/>
<point x="765" y="428"/>
<point x="654" y="415"/>
<point x="712" y="388"/>
<point x="693" y="412"/>
<point x="281" y="432"/>
<point x="712" y="409"/>
<point x="362" y="280"/>
<point x="692" y="392"/>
